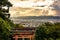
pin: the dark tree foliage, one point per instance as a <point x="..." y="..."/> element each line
<point x="5" y="22"/>
<point x="48" y="31"/>
<point x="4" y="29"/>
<point x="3" y="11"/>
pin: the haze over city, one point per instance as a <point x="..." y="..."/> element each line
<point x="35" y="8"/>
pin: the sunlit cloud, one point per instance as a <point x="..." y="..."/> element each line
<point x="31" y="3"/>
<point x="33" y="8"/>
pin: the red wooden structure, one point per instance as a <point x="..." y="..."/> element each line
<point x="25" y="33"/>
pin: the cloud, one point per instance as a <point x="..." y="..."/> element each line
<point x="20" y="10"/>
<point x="31" y="3"/>
<point x="17" y="11"/>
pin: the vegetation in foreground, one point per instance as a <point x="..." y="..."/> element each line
<point x="48" y="31"/>
<point x="5" y="22"/>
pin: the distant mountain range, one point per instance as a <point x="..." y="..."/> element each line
<point x="37" y="17"/>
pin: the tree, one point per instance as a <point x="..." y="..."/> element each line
<point x="18" y="26"/>
<point x="3" y="11"/>
<point x="5" y="22"/>
<point x="56" y="31"/>
<point x="48" y="31"/>
<point x="40" y="33"/>
<point x="4" y="29"/>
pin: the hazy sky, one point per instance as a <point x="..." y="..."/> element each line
<point x="31" y="3"/>
<point x="35" y="7"/>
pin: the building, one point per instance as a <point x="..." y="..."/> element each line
<point x="25" y="33"/>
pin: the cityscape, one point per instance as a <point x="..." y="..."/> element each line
<point x="29" y="19"/>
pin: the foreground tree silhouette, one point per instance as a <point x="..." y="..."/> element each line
<point x="3" y="11"/>
<point x="5" y="22"/>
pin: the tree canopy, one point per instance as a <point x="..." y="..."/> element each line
<point x="3" y="11"/>
<point x="5" y="23"/>
<point x="48" y="31"/>
<point x="4" y="29"/>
